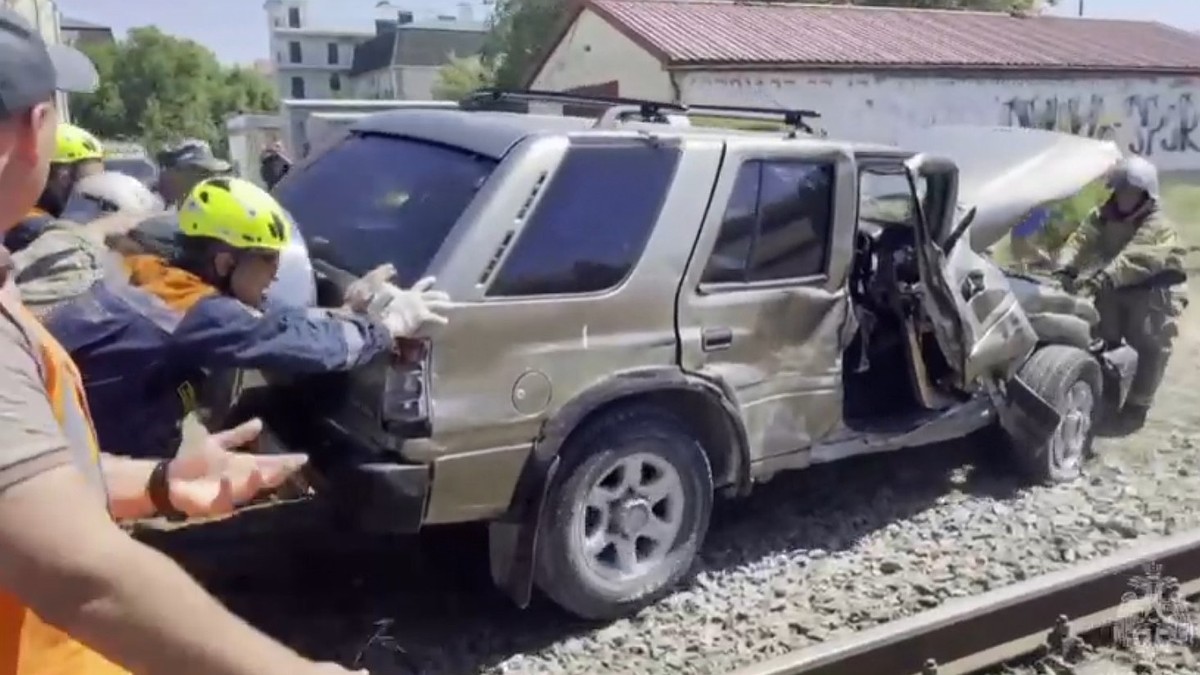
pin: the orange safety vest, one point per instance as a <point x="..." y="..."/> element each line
<point x="28" y="645"/>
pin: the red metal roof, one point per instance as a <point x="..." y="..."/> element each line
<point x="716" y="32"/>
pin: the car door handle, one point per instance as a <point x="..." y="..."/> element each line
<point x="714" y="339"/>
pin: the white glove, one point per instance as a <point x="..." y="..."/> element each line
<point x="405" y="313"/>
<point x="360" y="293"/>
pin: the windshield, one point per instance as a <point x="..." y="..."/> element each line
<point x="141" y="169"/>
<point x="375" y="199"/>
<point x="887" y="198"/>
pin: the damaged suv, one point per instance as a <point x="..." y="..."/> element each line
<point x="654" y="313"/>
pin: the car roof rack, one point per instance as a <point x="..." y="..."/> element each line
<point x="793" y="119"/>
<point x="518" y="101"/>
<point x="614" y="109"/>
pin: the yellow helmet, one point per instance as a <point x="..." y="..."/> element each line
<point x="76" y="145"/>
<point x="236" y="212"/>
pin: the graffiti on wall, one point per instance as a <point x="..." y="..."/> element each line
<point x="1148" y="125"/>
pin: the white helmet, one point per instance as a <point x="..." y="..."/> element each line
<point x="109" y="192"/>
<point x="1135" y="172"/>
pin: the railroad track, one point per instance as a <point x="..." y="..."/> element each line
<point x="1029" y="619"/>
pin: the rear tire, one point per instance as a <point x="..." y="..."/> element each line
<point x="1071" y="381"/>
<point x="626" y="514"/>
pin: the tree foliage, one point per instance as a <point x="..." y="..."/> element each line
<point x="521" y="29"/>
<point x="157" y="88"/>
<point x="462" y="76"/>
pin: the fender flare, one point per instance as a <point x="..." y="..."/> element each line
<point x="513" y="538"/>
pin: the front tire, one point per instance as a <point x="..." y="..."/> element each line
<point x="1071" y="381"/>
<point x="626" y="514"/>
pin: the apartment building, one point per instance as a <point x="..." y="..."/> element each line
<point x="404" y="58"/>
<point x="309" y="61"/>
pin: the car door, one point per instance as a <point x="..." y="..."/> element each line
<point x="763" y="308"/>
<point x="978" y="322"/>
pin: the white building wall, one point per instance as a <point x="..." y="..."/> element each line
<point x="44" y="16"/>
<point x="1157" y="117"/>
<point x="593" y="52"/>
<point x="376" y="84"/>
<point x="416" y="83"/>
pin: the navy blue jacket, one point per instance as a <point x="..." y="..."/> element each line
<point x="145" y="346"/>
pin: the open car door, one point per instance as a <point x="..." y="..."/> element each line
<point x="979" y="324"/>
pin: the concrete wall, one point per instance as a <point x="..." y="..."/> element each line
<point x="1156" y="117"/>
<point x="249" y="135"/>
<point x="593" y="52"/>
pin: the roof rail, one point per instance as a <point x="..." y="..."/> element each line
<point x="490" y="98"/>
<point x="791" y="118"/>
<point x="613" y="109"/>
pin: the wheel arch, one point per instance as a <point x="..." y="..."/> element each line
<point x="701" y="406"/>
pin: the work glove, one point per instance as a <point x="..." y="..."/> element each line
<point x="1095" y="284"/>
<point x="406" y="312"/>
<point x="360" y="293"/>
<point x="1067" y="277"/>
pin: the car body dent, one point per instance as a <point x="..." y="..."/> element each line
<point x="785" y="338"/>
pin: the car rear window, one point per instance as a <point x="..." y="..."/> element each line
<point x="375" y="199"/>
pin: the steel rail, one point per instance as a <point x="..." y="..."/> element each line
<point x="972" y="634"/>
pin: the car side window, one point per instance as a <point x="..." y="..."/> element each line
<point x="592" y="224"/>
<point x="777" y="224"/>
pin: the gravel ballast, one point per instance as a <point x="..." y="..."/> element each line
<point x="808" y="557"/>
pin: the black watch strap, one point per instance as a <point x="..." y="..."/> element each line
<point x="160" y="493"/>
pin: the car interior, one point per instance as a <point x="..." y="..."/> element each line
<point x="892" y="327"/>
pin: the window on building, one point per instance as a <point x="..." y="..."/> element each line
<point x="335" y="82"/>
<point x="295" y="55"/>
<point x="580" y="239"/>
<point x="297" y="87"/>
<point x="293" y="17"/>
<point x="333" y="53"/>
<point x="777" y="224"/>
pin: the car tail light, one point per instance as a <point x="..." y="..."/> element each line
<point x="405" y="408"/>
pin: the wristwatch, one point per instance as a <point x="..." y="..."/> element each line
<point x="159" y="490"/>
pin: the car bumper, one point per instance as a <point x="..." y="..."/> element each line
<point x="379" y="497"/>
<point x="371" y="492"/>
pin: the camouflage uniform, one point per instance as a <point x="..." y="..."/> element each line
<point x="1121" y="252"/>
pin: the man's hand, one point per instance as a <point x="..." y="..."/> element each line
<point x="405" y="313"/>
<point x="211" y="480"/>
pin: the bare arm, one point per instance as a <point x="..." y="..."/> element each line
<point x="126" y="480"/>
<point x="62" y="555"/>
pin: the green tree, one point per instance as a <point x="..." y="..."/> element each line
<point x="462" y="76"/>
<point x="157" y="88"/>
<point x="521" y="29"/>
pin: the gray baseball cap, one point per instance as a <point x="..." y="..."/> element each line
<point x="33" y="70"/>
<point x="192" y="153"/>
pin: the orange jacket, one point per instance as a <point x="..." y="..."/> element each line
<point x="29" y="646"/>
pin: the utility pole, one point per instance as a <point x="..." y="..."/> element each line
<point x="1080" y="7"/>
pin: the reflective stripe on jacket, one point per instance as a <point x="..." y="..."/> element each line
<point x="29" y="646"/>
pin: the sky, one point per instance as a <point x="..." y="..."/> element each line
<point x="237" y="29"/>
